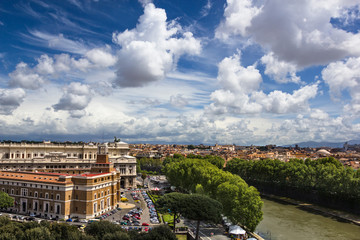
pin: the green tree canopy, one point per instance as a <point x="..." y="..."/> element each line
<point x="5" y="200"/>
<point x="246" y="204"/>
<point x="201" y="208"/>
<point x="171" y="202"/>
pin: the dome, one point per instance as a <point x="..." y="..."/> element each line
<point x="323" y="152"/>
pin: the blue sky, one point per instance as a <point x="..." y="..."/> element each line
<point x="226" y="71"/>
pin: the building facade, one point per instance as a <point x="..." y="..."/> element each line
<point x="62" y="196"/>
<point x="66" y="158"/>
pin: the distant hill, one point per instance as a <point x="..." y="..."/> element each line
<point x="323" y="144"/>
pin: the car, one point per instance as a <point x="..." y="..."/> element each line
<point x="123" y="223"/>
<point x="145" y="224"/>
<point x="146" y="229"/>
<point x="83" y="220"/>
<point x="124" y="199"/>
<point x="125" y="218"/>
<point x="136" y="224"/>
<point x="69" y="220"/>
<point x="30" y="218"/>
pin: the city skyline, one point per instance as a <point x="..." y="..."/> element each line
<point x="236" y="71"/>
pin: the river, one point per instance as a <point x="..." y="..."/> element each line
<point x="289" y="222"/>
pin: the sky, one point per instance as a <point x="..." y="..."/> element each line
<point x="184" y="72"/>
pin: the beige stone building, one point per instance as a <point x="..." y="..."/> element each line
<point x="66" y="158"/>
<point x="60" y="195"/>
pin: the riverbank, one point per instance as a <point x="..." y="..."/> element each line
<point x="339" y="215"/>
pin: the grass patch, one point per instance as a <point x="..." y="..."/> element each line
<point x="169" y="218"/>
<point x="181" y="237"/>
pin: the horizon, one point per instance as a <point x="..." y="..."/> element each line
<point x="241" y="72"/>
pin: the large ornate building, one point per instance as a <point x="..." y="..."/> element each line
<point x="66" y="158"/>
<point x="63" y="195"/>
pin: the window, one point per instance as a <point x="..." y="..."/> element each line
<point x="95" y="196"/>
<point x="35" y="194"/>
<point x="58" y="206"/>
<point x="102" y="194"/>
<point x="24" y="192"/>
<point x="108" y="191"/>
<point x="57" y="196"/>
<point x="46" y="195"/>
<point x="12" y="191"/>
<point x="95" y="207"/>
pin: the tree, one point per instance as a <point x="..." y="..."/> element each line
<point x="201" y="208"/>
<point x="143" y="176"/>
<point x="99" y="229"/>
<point x="39" y="233"/>
<point x="116" y="236"/>
<point x="163" y="232"/>
<point x="189" y="173"/>
<point x="171" y="202"/>
<point x="5" y="200"/>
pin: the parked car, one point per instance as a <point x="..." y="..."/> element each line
<point x="69" y="220"/>
<point x="145" y="224"/>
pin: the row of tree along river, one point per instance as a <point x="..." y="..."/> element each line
<point x="324" y="181"/>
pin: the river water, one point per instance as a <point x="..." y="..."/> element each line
<point x="289" y="222"/>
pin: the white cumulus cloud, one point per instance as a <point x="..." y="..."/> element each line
<point x="10" y="99"/>
<point x="240" y="92"/>
<point x="299" y="32"/>
<point x="76" y="98"/>
<point x="25" y="77"/>
<point x="280" y="71"/>
<point x="149" y="51"/>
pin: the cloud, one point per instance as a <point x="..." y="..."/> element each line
<point x="280" y="71"/>
<point x="238" y="16"/>
<point x="318" y="126"/>
<point x="178" y="101"/>
<point x="297" y="32"/>
<point x="55" y="42"/>
<point x="344" y="76"/>
<point x="59" y="65"/>
<point x="10" y="99"/>
<point x="145" y="2"/>
<point x="235" y="78"/>
<point x="152" y="49"/>
<point x="25" y="77"/>
<point x="101" y="57"/>
<point x="76" y="98"/>
<point x="206" y="9"/>
<point x="240" y="92"/>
